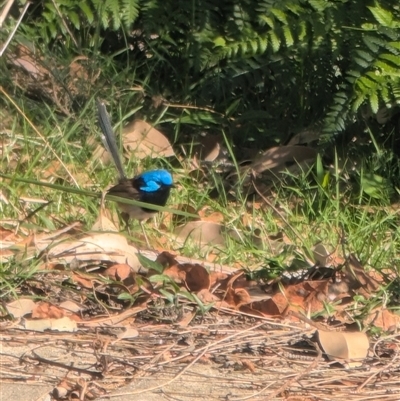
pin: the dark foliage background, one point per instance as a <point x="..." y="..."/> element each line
<point x="262" y="70"/>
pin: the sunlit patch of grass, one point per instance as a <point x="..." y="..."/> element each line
<point x="306" y="209"/>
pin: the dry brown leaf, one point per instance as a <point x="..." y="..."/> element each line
<point x="217" y="277"/>
<point x="66" y="323"/>
<point x="275" y="306"/>
<point x="358" y="279"/>
<point x="166" y="259"/>
<point x="79" y="278"/>
<point x="307" y="295"/>
<point x="186" y="319"/>
<point x="118" y="272"/>
<point x="321" y="255"/>
<point x="215" y="217"/>
<point x="236" y="297"/>
<point x="20" y="307"/>
<point x="384" y="319"/>
<point x="129" y="332"/>
<point x="103" y="223"/>
<point x="94" y="247"/>
<point x="208" y="147"/>
<point x="142" y="140"/>
<point x="349" y="347"/>
<point x="8" y="236"/>
<point x="280" y="158"/>
<point x="71" y="306"/>
<point x="44" y="310"/>
<point x="207" y="297"/>
<point x="197" y="277"/>
<point x="6" y="255"/>
<point x="194" y="276"/>
<point x="202" y="232"/>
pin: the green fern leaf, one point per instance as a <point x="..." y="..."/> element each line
<point x="386" y="69"/>
<point x="243" y="48"/>
<point x="114" y="9"/>
<point x="262" y="44"/>
<point x="254" y="46"/>
<point x="366" y="56"/>
<point x="130" y="11"/>
<point x="392" y="58"/>
<point x="279" y="15"/>
<point x="302" y="35"/>
<point x="394" y="45"/>
<point x="296" y="9"/>
<point x="275" y="42"/>
<point x="365" y="84"/>
<point x="360" y="99"/>
<point x="269" y="21"/>
<point x="361" y="62"/>
<point x="384" y="17"/>
<point x="374" y="102"/>
<point x="74" y="18"/>
<point x="288" y="36"/>
<point x="87" y="11"/>
<point x="384" y="93"/>
<point x="319" y="5"/>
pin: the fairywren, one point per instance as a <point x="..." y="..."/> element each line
<point x="152" y="187"/>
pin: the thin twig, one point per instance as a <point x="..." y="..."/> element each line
<point x="312" y="365"/>
<point x="163" y="384"/>
<point x="15" y="29"/>
<point x="5" y="11"/>
<point x="361" y="386"/>
<point x="64" y="23"/>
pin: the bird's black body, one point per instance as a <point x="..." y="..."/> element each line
<point x="152" y="187"/>
<point x="130" y="188"/>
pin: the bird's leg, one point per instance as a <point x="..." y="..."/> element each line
<point x="141" y="222"/>
<point x="125" y="218"/>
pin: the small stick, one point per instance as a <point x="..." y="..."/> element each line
<point x="6" y="9"/>
<point x="15" y="28"/>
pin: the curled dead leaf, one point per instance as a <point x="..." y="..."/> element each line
<point x="350" y="347"/>
<point x="208" y="147"/>
<point x="197" y="277"/>
<point x="275" y="306"/>
<point x="236" y="297"/>
<point x="358" y="279"/>
<point x="194" y="276"/>
<point x="118" y="272"/>
<point x="142" y="140"/>
<point x="166" y="259"/>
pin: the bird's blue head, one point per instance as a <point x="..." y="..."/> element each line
<point x="153" y="180"/>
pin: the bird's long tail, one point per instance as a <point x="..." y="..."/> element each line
<point x="108" y="138"/>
